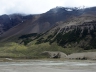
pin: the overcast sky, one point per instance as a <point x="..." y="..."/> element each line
<point x="39" y="6"/>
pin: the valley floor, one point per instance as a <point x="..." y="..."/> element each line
<point x="48" y="66"/>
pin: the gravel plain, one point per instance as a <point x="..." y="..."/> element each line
<point x="48" y="66"/>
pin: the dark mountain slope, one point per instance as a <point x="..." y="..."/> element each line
<point x="80" y="36"/>
<point x="76" y="32"/>
<point x="9" y="21"/>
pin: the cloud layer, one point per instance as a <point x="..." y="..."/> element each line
<point x="39" y="6"/>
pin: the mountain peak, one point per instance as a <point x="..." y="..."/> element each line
<point x="63" y="9"/>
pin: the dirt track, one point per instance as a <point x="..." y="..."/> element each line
<point x="48" y="66"/>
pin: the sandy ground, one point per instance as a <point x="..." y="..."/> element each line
<point x="48" y="66"/>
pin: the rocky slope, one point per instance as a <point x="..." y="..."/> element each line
<point x="37" y="23"/>
<point x="78" y="31"/>
<point x="68" y="27"/>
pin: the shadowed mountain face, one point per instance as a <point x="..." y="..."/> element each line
<point x="9" y="21"/>
<point x="56" y="19"/>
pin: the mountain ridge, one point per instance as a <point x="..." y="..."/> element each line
<point x="55" y="23"/>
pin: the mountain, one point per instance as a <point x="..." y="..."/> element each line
<point x="78" y="30"/>
<point x="9" y="21"/>
<point x="68" y="27"/>
<point x="68" y="30"/>
<point x="37" y="23"/>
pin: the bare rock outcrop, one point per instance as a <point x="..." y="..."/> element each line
<point x="54" y="54"/>
<point x="83" y="56"/>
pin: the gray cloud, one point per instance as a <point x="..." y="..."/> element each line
<point x="39" y="6"/>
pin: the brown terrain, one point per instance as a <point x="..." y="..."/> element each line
<point x="43" y="22"/>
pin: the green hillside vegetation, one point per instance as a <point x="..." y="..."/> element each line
<point x="32" y="50"/>
<point x="75" y="38"/>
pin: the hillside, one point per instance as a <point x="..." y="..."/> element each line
<point x="68" y="30"/>
<point x="75" y="35"/>
<point x="43" y="22"/>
